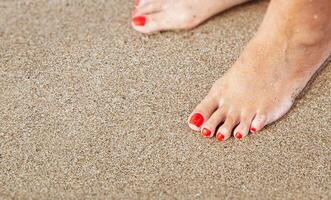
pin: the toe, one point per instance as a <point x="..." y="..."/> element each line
<point x="202" y="112"/>
<point x="136" y="3"/>
<point x="139" y="22"/>
<point x="141" y="3"/>
<point x="258" y="123"/>
<point x="159" y="21"/>
<point x="242" y="129"/>
<point x="208" y="128"/>
<point x="149" y="23"/>
<point x="147" y="6"/>
<point x="224" y="132"/>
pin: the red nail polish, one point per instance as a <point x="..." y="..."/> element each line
<point x="253" y="129"/>
<point x="238" y="136"/>
<point x="139" y="21"/>
<point x="197" y="119"/>
<point x="136" y="2"/>
<point x="220" y="137"/>
<point x="206" y="132"/>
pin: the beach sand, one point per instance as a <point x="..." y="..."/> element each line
<point x="91" y="109"/>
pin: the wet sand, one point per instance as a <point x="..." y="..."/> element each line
<point x="90" y="109"/>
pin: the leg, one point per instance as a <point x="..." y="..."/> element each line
<point x="292" y="42"/>
<point x="158" y="15"/>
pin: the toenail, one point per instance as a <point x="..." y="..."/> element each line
<point x="139" y="21"/>
<point x="206" y="132"/>
<point x="197" y="119"/>
<point x="220" y="137"/>
<point x="238" y="136"/>
<point x="136" y="2"/>
<point x="253" y="129"/>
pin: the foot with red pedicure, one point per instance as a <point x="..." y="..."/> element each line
<point x="292" y="43"/>
<point x="161" y="15"/>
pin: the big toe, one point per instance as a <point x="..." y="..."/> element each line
<point x="202" y="113"/>
<point x="161" y="21"/>
<point x="149" y="23"/>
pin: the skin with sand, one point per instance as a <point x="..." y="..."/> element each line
<point x="291" y="44"/>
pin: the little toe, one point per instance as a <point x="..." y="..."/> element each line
<point x="208" y="128"/>
<point x="202" y="113"/>
<point x="224" y="132"/>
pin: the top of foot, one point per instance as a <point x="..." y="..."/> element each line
<point x="274" y="67"/>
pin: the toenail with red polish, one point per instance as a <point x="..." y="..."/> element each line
<point x="136" y="2"/>
<point x="139" y="21"/>
<point x="238" y="135"/>
<point x="197" y="119"/>
<point x="220" y="137"/>
<point x="253" y="129"/>
<point x="206" y="132"/>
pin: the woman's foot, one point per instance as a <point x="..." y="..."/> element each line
<point x="159" y="15"/>
<point x="291" y="44"/>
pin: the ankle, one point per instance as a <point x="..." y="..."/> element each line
<point x="302" y="22"/>
<point x="309" y="36"/>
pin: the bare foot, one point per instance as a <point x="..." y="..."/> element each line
<point x="291" y="44"/>
<point x="158" y="15"/>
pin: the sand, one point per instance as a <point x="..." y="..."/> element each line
<point x="90" y="109"/>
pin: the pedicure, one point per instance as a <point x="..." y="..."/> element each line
<point x="206" y="132"/>
<point x="139" y="21"/>
<point x="220" y="137"/>
<point x="253" y="129"/>
<point x="136" y="2"/>
<point x="238" y="136"/>
<point x="197" y="119"/>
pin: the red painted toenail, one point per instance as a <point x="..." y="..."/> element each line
<point x="139" y="21"/>
<point x="220" y="137"/>
<point x="136" y="2"/>
<point x="197" y="119"/>
<point x="253" y="129"/>
<point x="238" y="136"/>
<point x="206" y="132"/>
